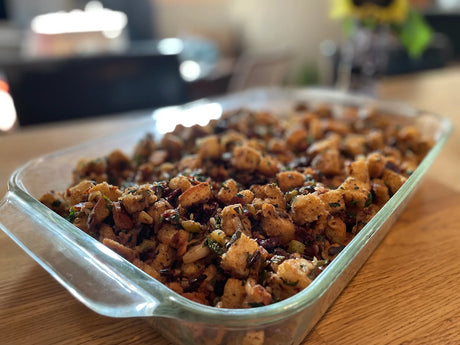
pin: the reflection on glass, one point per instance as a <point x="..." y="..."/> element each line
<point x="168" y="118"/>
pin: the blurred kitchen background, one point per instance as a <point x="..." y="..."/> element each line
<point x="67" y="59"/>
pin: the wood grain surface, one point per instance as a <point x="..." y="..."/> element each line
<point x="408" y="292"/>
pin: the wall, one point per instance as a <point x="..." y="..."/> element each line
<point x="23" y="11"/>
<point x="211" y="18"/>
<point x="299" y="25"/>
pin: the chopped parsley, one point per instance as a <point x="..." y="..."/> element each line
<point x="214" y="246"/>
<point x="368" y="200"/>
<point x="255" y="304"/>
<point x="56" y="203"/>
<point x="285" y="282"/>
<point x="71" y="217"/>
<point x="175" y="218"/>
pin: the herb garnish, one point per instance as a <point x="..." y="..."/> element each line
<point x="290" y="283"/>
<point x="71" y="217"/>
<point x="215" y="246"/>
<point x="255" y="304"/>
<point x="56" y="203"/>
<point x="368" y="200"/>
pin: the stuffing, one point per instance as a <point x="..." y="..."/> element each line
<point x="247" y="210"/>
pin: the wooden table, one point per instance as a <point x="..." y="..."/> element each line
<point x="408" y="292"/>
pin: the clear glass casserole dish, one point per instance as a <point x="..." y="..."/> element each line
<point x="112" y="286"/>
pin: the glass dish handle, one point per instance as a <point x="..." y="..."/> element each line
<point x="106" y="283"/>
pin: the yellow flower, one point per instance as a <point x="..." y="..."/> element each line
<point x="383" y="11"/>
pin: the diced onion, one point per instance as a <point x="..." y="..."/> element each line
<point x="196" y="253"/>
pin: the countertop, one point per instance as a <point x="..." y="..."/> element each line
<point x="406" y="293"/>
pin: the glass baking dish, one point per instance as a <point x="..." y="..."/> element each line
<point x="112" y="286"/>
